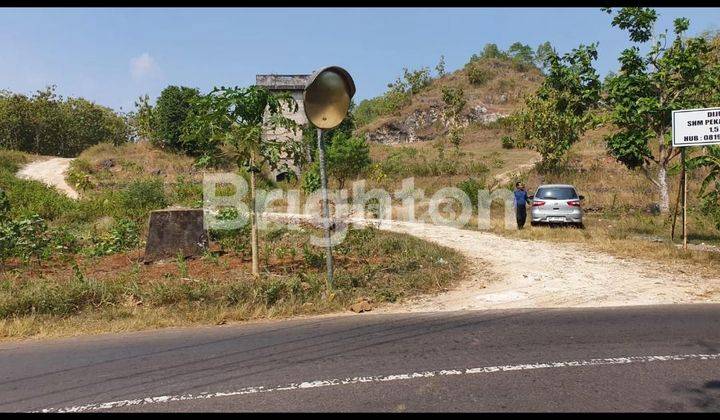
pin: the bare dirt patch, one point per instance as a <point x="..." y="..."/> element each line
<point x="50" y="171"/>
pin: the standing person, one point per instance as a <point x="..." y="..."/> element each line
<point x="521" y="199"/>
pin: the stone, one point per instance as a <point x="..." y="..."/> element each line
<point x="363" y="305"/>
<point x="107" y="164"/>
<point x="173" y="231"/>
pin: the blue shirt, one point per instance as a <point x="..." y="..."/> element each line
<point x="521" y="197"/>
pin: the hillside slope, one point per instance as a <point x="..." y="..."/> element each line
<point x="498" y="90"/>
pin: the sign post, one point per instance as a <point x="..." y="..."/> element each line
<point x="693" y="127"/>
<point x="326" y="100"/>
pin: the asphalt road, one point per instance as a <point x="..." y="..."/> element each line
<point x="519" y="360"/>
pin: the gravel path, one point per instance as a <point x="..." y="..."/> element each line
<point x="514" y="273"/>
<point x="50" y="172"/>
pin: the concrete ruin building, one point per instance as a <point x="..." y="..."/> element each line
<point x="295" y="85"/>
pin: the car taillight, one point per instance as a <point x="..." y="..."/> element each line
<point x="574" y="203"/>
<point x="538" y="203"/>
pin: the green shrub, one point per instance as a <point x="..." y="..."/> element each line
<point x="123" y="236"/>
<point x="140" y="197"/>
<point x="507" y="142"/>
<point x="347" y="157"/>
<point x="171" y="110"/>
<point x="25" y="238"/>
<point x="4" y="206"/>
<point x="80" y="175"/>
<point x="187" y="193"/>
<point x="310" y="181"/>
<point x="235" y="240"/>
<point x="471" y="186"/>
<point x="312" y="259"/>
<point x="478" y="74"/>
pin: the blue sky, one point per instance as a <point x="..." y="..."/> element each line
<point x="112" y="56"/>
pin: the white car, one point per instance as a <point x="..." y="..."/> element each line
<point x="556" y="203"/>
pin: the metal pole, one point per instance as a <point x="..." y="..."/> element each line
<point x="684" y="177"/>
<point x="326" y="210"/>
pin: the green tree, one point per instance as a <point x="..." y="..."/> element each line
<point x="555" y="117"/>
<point x="490" y="51"/>
<point x="542" y="56"/>
<point x="416" y="80"/>
<point x="173" y="107"/>
<point x="347" y="157"/>
<point x="642" y="96"/>
<point x="440" y="68"/>
<point x="45" y="123"/>
<point x="522" y="54"/>
<point x="236" y="118"/>
<point x="309" y="131"/>
<point x="140" y="120"/>
<point x="454" y="100"/>
<point x="711" y="162"/>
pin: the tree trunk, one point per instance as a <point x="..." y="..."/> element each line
<point x="663" y="187"/>
<point x="253" y="221"/>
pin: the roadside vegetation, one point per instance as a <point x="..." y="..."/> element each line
<point x="91" y="294"/>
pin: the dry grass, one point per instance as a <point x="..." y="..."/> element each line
<point x="110" y="166"/>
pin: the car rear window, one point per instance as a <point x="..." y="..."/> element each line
<point x="556" y="193"/>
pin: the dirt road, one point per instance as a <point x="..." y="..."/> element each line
<point x="513" y="273"/>
<point x="50" y="171"/>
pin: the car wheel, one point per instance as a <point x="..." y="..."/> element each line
<point x="534" y="223"/>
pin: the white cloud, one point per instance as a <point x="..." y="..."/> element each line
<point x="143" y="67"/>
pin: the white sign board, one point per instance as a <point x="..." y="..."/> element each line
<point x="696" y="127"/>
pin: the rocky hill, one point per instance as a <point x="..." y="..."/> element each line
<point x="499" y="88"/>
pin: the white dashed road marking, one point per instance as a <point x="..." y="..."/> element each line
<point x="377" y="379"/>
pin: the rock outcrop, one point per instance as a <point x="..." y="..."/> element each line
<point x="426" y="124"/>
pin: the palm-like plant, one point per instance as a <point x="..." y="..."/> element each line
<point x="710" y="160"/>
<point x="235" y="119"/>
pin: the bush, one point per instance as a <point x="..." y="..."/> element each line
<point x="30" y="237"/>
<point x="4" y="206"/>
<point x="79" y="175"/>
<point x="141" y="197"/>
<point x="507" y="142"/>
<point x="311" y="178"/>
<point x="477" y="74"/>
<point x="50" y="125"/>
<point x="347" y="157"/>
<point x="123" y="236"/>
<point x="167" y="120"/>
<point x="471" y="186"/>
<point x="710" y="207"/>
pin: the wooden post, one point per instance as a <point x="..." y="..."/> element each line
<point x="684" y="217"/>
<point x="675" y="209"/>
